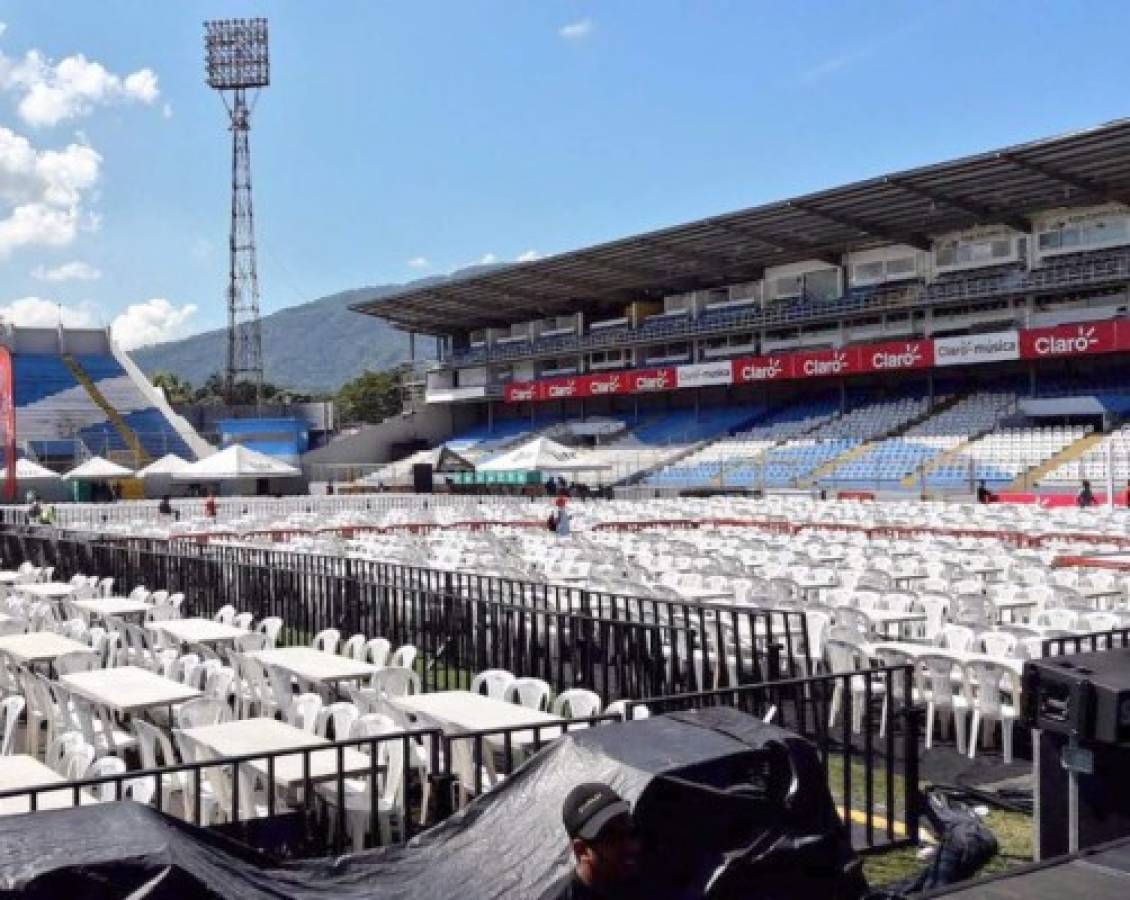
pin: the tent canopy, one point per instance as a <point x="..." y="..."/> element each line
<point x="98" y="469"/>
<point x="26" y="470"/>
<point x="169" y="464"/>
<point x="539" y="455"/>
<point x="236" y="462"/>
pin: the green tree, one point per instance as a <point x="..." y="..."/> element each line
<point x="177" y="389"/>
<point x="370" y="397"/>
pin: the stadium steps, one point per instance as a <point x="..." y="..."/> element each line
<point x="831" y="465"/>
<point x="1073" y="451"/>
<point x="138" y="456"/>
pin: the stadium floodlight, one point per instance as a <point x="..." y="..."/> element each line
<point x="236" y="61"/>
<point x="236" y="54"/>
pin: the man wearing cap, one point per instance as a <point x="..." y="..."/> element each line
<point x="604" y="842"/>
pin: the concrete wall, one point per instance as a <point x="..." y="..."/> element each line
<point x="433" y="424"/>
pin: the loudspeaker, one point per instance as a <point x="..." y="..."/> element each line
<point x="422" y="478"/>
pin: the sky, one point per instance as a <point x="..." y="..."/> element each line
<point x="398" y="140"/>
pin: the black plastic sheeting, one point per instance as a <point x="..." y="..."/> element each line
<point x="727" y="806"/>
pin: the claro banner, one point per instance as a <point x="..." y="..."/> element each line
<point x="970" y="349"/>
<point x="1084" y="339"/>
<point x="1075" y="340"/>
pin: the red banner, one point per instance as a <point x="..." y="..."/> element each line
<point x="645" y="381"/>
<point x="896" y="356"/>
<point x="1074" y="340"/>
<point x="8" y="422"/>
<point x="826" y="363"/>
<point x="520" y="391"/>
<point x="775" y="367"/>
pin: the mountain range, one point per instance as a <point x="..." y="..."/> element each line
<point x="314" y="347"/>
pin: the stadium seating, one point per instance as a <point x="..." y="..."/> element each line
<point x="54" y="410"/>
<point x="998" y="458"/>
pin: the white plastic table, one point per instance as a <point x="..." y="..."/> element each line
<point x="314" y="665"/>
<point x="23" y="771"/>
<point x="52" y="590"/>
<point x="128" y="689"/>
<point x="10" y="577"/>
<point x="39" y="647"/>
<point x="244" y="737"/>
<point x="461" y="711"/>
<point x="198" y="631"/>
<point x="112" y="606"/>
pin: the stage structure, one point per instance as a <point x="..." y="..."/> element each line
<point x="237" y="66"/>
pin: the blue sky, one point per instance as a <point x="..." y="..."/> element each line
<point x="403" y="139"/>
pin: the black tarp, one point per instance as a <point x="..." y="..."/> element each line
<point x="728" y="807"/>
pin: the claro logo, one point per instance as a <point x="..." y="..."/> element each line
<point x="909" y="358"/>
<point x="767" y="371"/>
<point x="566" y="389"/>
<point x="522" y="393"/>
<point x="605" y="385"/>
<point x="834" y="366"/>
<point x="657" y="382"/>
<point x="1080" y="342"/>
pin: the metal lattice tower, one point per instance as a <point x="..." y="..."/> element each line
<point x="237" y="61"/>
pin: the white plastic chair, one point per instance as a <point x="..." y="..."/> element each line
<point x="377" y="652"/>
<point x="935" y="672"/>
<point x="10" y="710"/>
<point x="983" y="682"/>
<point x="532" y="693"/>
<point x="620" y="708"/>
<point x="303" y="712"/>
<point x="201" y="711"/>
<point x="576" y="703"/>
<point x="326" y="640"/>
<point x="100" y="768"/>
<point x="404" y="656"/>
<point x="270" y="627"/>
<point x="998" y="643"/>
<point x="354" y="647"/>
<point x="339" y="716"/>
<point x="494" y="681"/>
<point x="225" y="615"/>
<point x="243" y="620"/>
<point x="959" y="638"/>
<point x="395" y="681"/>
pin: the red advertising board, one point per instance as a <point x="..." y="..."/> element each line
<point x="520" y="391"/>
<point x="8" y="422"/>
<point x="751" y="369"/>
<point x="826" y="363"/>
<point x="1081" y="339"/>
<point x="896" y="356"/>
<point x="646" y="381"/>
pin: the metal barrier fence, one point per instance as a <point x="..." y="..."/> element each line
<point x="1090" y="642"/>
<point x="866" y="729"/>
<point x="293" y="803"/>
<point x="615" y="645"/>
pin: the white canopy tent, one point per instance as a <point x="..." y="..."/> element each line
<point x="540" y="455"/>
<point x="169" y="464"/>
<point x="98" y="469"/>
<point x="26" y="470"/>
<point x="234" y="463"/>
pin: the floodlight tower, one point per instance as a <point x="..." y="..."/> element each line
<point x="236" y="62"/>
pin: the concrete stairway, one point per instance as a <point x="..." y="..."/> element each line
<point x="136" y="451"/>
<point x="1034" y="475"/>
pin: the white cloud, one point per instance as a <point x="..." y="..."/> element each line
<point x="42" y="192"/>
<point x="419" y="262"/>
<point x="69" y="271"/>
<point x="576" y="31"/>
<point x="38" y="312"/>
<point x="529" y="256"/>
<point x="49" y="93"/>
<point x="3" y="28"/>
<point x="151" y="322"/>
<point x="167" y="110"/>
<point x="486" y="259"/>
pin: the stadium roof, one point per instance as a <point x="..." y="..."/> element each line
<point x="998" y="187"/>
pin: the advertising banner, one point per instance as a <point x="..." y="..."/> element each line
<point x="897" y="356"/>
<point x="1072" y="340"/>
<point x="751" y="369"/>
<point x="971" y="349"/>
<point x="826" y="363"/>
<point x="646" y="381"/>
<point x="705" y="374"/>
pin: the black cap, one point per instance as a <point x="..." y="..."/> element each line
<point x="591" y="806"/>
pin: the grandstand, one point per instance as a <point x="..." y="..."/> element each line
<point x="77" y="395"/>
<point x="924" y="330"/>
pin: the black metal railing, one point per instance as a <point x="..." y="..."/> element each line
<point x="619" y="646"/>
<point x="865" y="727"/>
<point x="1091" y="642"/>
